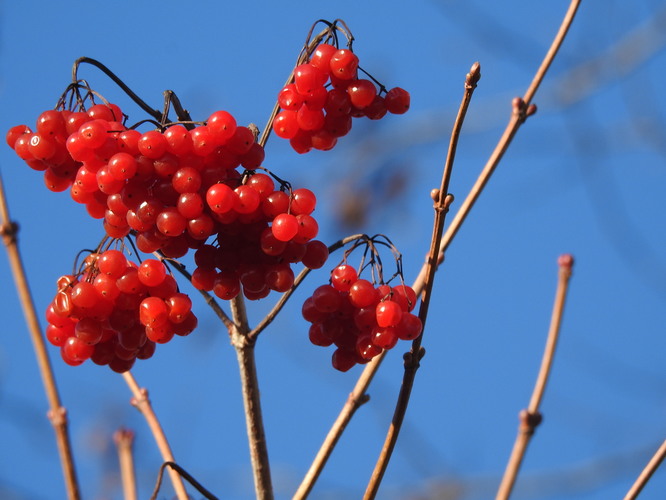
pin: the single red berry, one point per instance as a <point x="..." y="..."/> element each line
<point x="284" y="227"/>
<point x="343" y="64"/>
<point x="343" y="277"/>
<point x="397" y="101"/>
<point x="388" y="313"/>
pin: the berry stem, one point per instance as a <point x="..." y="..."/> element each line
<point x="57" y="414"/>
<point x="124" y="439"/>
<point x="531" y="417"/>
<point x="185" y="475"/>
<point x="93" y="62"/>
<point x="141" y="402"/>
<point x="646" y="473"/>
<point x="303" y="57"/>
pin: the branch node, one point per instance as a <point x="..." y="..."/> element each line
<point x="9" y="231"/>
<point x="529" y="421"/>
<point x="57" y="416"/>
<point x="143" y="398"/>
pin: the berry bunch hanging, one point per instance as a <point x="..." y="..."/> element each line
<point x="202" y="186"/>
<point x="327" y="91"/>
<point x="115" y="311"/>
<point x="362" y="318"/>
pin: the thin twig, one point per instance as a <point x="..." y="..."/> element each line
<point x="356" y="399"/>
<point x="254" y="421"/>
<point x="448" y="236"/>
<point x="207" y="494"/>
<point x="530" y="418"/>
<point x="413" y="357"/>
<point x="57" y="413"/>
<point x="140" y="102"/>
<point x="522" y="108"/>
<point x="141" y="402"/>
<point x="124" y="439"/>
<point x="268" y="319"/>
<point x="647" y="472"/>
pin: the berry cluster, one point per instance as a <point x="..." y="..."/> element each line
<point x="254" y="252"/>
<point x="177" y="188"/>
<point x="361" y="319"/>
<point x="115" y="311"/>
<point x="314" y="116"/>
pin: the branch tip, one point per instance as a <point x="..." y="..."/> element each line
<point x="473" y="76"/>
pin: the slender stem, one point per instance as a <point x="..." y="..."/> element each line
<point x="305" y="54"/>
<point x="140" y="102"/>
<point x="503" y="143"/>
<point x="254" y="421"/>
<point x="356" y="399"/>
<point x="647" y="472"/>
<point x="141" y="402"/>
<point x="530" y="418"/>
<point x="57" y="413"/>
<point x="268" y="319"/>
<point x="413" y="357"/>
<point x="124" y="439"/>
<point x="185" y="475"/>
<point x="521" y="109"/>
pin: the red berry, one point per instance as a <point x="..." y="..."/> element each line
<point x="397" y="101"/>
<point x="285" y="227"/>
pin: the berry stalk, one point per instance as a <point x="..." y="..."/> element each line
<point x="57" y="413"/>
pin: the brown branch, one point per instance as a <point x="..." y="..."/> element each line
<point x="530" y="418"/>
<point x="57" y="414"/>
<point x="647" y="472"/>
<point x="254" y="421"/>
<point x="124" y="439"/>
<point x="515" y="122"/>
<point x="356" y="399"/>
<point x="141" y="402"/>
<point x="413" y="357"/>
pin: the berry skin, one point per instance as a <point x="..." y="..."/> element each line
<point x="285" y="227"/>
<point x="152" y="272"/>
<point x="388" y="313"/>
<point x="343" y="64"/>
<point x="397" y="101"/>
<point x="343" y="277"/>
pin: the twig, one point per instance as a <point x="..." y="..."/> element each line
<point x="448" y="236"/>
<point x="57" y="414"/>
<point x="646" y="473"/>
<point x="356" y="399"/>
<point x="522" y="108"/>
<point x="530" y="418"/>
<point x="141" y="402"/>
<point x="140" y="102"/>
<point x="268" y="319"/>
<point x="207" y="494"/>
<point x="413" y="357"/>
<point x="254" y="421"/>
<point x="124" y="439"/>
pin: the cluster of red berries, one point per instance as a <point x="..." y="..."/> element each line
<point x="361" y="319"/>
<point x="154" y="183"/>
<point x="116" y="311"/>
<point x="254" y="253"/>
<point x="177" y="188"/>
<point x="314" y="116"/>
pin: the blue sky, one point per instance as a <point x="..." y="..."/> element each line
<point x="585" y="175"/>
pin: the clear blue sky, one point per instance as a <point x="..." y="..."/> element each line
<point x="586" y="175"/>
